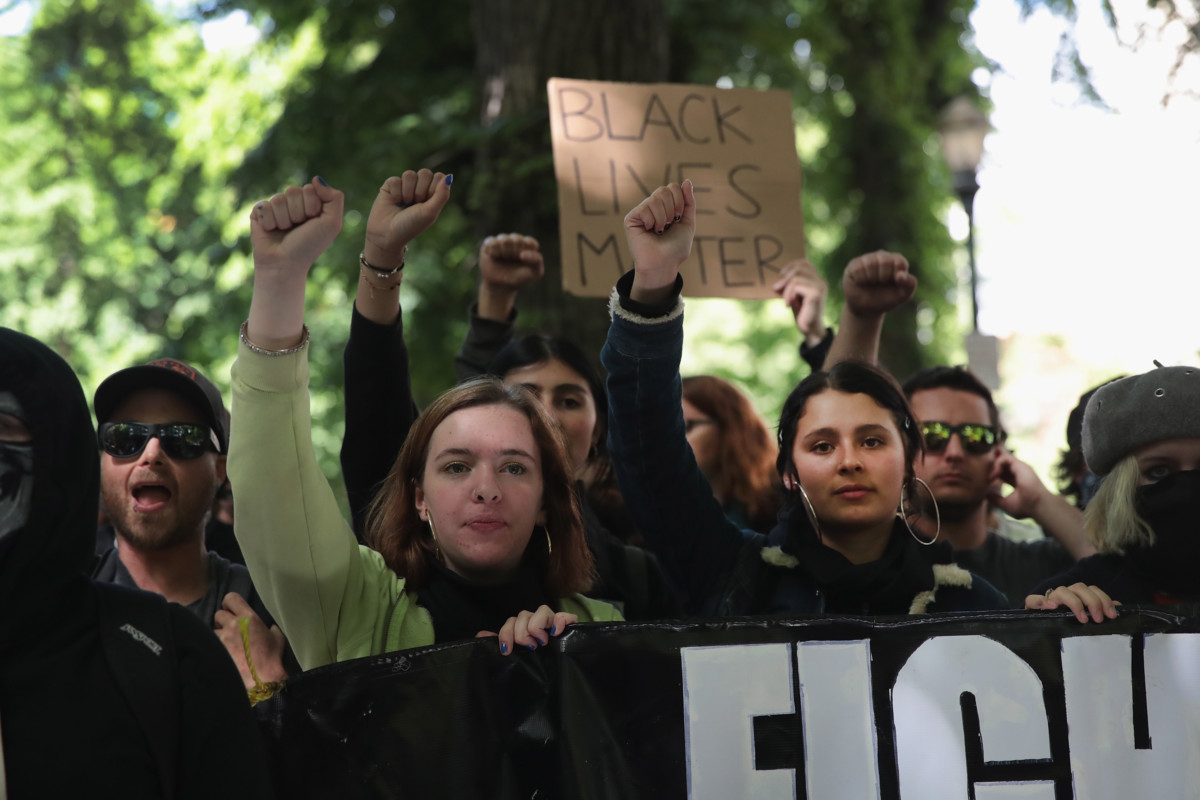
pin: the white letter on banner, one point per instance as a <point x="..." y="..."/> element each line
<point x="724" y="688"/>
<point x="839" y="720"/>
<point x="1104" y="763"/>
<point x="930" y="749"/>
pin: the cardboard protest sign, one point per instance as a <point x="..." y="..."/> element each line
<point x="615" y="143"/>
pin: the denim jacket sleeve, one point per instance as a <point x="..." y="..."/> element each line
<point x="665" y="491"/>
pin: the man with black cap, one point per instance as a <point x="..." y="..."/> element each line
<point x="104" y="692"/>
<point x="163" y="437"/>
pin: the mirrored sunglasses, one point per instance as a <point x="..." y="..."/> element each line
<point x="976" y="439"/>
<point x="178" y="439"/>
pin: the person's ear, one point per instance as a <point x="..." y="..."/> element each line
<point x="219" y="468"/>
<point x="419" y="501"/>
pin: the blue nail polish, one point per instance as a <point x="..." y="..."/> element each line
<point x="554" y="631"/>
<point x="539" y="641"/>
<point x="321" y="181"/>
<point x="450" y="179"/>
<point x="503" y="649"/>
<point x="403" y="205"/>
<point x="531" y="647"/>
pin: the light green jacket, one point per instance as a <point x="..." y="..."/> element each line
<point x="334" y="599"/>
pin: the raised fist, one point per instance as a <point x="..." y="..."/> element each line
<point x="876" y="283"/>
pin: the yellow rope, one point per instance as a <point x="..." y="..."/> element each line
<point x="260" y="691"/>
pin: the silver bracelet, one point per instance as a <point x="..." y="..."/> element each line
<point x="262" y="351"/>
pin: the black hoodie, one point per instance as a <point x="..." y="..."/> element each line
<point x="67" y="729"/>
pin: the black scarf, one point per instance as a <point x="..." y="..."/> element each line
<point x="1172" y="509"/>
<point x="885" y="586"/>
<point x="461" y="609"/>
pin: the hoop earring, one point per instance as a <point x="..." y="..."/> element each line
<point x="433" y="533"/>
<point x="936" y="511"/>
<point x="549" y="544"/>
<point x="812" y="512"/>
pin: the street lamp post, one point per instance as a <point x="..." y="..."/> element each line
<point x="962" y="128"/>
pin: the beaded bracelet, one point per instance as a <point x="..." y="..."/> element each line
<point x="262" y="351"/>
<point x="372" y="286"/>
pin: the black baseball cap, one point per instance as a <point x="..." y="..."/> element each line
<point x="174" y="376"/>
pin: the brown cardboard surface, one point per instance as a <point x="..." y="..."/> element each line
<point x="615" y="143"/>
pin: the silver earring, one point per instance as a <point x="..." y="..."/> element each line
<point x="549" y="545"/>
<point x="812" y="513"/>
<point x="937" y="514"/>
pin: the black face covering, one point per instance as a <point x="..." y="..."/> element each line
<point x="56" y="477"/>
<point x="1172" y="508"/>
<point x="16" y="487"/>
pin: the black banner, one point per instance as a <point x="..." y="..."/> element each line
<point x="991" y="706"/>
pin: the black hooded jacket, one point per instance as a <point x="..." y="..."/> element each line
<point x="67" y="729"/>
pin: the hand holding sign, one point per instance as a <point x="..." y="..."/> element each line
<point x="1082" y="600"/>
<point x="660" y="232"/>
<point x="531" y="629"/>
<point x="803" y="290"/>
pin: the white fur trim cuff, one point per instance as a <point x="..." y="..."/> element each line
<point x="615" y="309"/>
<point x="776" y="557"/>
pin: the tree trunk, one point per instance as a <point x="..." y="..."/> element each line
<point x="520" y="44"/>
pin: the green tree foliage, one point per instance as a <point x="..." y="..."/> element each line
<point x="133" y="156"/>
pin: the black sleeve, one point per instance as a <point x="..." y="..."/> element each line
<point x="221" y="750"/>
<point x="815" y="356"/>
<point x="485" y="338"/>
<point x="379" y="409"/>
<point x="1106" y="570"/>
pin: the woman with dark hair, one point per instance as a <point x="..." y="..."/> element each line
<point x="733" y="449"/>
<point x="572" y="392"/>
<point x="1141" y="434"/>
<point x="476" y="526"/>
<point x="847" y="442"/>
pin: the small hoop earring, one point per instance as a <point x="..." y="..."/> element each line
<point x="936" y="511"/>
<point x="549" y="544"/>
<point x="812" y="512"/>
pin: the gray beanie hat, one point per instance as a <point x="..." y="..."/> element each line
<point x="1122" y="416"/>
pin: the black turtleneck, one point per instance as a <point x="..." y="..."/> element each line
<point x="461" y="609"/>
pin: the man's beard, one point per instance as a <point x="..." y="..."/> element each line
<point x="955" y="508"/>
<point x="153" y="536"/>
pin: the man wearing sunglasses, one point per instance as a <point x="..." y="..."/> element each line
<point x="163" y="437"/>
<point x="964" y="465"/>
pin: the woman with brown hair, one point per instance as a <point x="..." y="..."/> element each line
<point x="477" y="522"/>
<point x="733" y="449"/>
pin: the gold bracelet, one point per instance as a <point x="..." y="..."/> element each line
<point x="261" y="690"/>
<point x="262" y="351"/>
